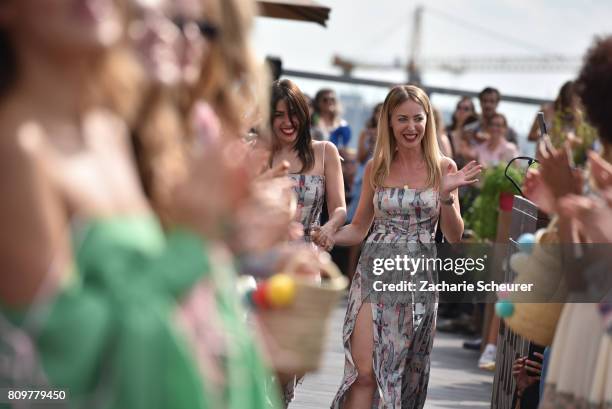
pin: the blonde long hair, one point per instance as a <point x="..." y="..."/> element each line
<point x="386" y="145"/>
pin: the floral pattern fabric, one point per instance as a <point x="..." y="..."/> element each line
<point x="310" y="191"/>
<point x="404" y="220"/>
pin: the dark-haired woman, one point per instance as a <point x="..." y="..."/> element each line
<point x="314" y="166"/>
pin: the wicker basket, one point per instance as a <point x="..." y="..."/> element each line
<point x="536" y="322"/>
<point x="536" y="314"/>
<point x="298" y="332"/>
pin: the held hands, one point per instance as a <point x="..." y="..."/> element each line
<point x="323" y="237"/>
<point x="455" y="179"/>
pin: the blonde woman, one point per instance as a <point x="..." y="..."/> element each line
<point x="387" y="346"/>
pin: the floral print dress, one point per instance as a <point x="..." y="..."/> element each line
<point x="405" y="221"/>
<point x="310" y="191"/>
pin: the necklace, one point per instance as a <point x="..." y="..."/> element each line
<point x="406" y="170"/>
<point x="406" y="173"/>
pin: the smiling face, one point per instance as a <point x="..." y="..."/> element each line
<point x="408" y="122"/>
<point x="285" y="125"/>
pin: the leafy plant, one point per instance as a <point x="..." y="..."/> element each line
<point x="482" y="215"/>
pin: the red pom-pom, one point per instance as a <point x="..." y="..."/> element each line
<point x="259" y="297"/>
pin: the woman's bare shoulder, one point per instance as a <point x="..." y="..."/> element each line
<point x="330" y="149"/>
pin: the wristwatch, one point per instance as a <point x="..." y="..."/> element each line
<point x="448" y="202"/>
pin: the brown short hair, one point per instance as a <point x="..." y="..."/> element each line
<point x="594" y="86"/>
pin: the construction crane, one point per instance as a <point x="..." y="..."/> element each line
<point x="415" y="63"/>
<point x="460" y="64"/>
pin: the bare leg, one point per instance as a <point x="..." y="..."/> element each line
<point x="361" y="393"/>
<point x="493" y="330"/>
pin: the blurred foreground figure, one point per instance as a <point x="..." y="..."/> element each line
<point x="97" y="299"/>
<point x="579" y="373"/>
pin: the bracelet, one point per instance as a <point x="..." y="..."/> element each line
<point x="448" y="202"/>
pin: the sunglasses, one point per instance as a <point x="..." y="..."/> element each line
<point x="329" y="99"/>
<point x="464" y="108"/>
<point x="208" y="30"/>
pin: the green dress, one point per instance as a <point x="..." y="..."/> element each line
<point x="110" y="339"/>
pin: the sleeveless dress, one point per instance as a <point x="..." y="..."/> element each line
<point x="112" y="336"/>
<point x="405" y="222"/>
<point x="310" y="192"/>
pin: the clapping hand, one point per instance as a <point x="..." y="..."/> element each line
<point x="280" y="170"/>
<point x="601" y="171"/>
<point x="593" y="214"/>
<point x="266" y="219"/>
<point x="216" y="185"/>
<point x="538" y="192"/>
<point x="557" y="172"/>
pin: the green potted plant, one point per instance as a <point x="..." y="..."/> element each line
<point x="497" y="192"/>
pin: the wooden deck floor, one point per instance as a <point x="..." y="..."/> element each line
<point x="455" y="381"/>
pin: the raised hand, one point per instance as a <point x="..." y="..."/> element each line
<point x="266" y="219"/>
<point x="280" y="170"/>
<point x="557" y="172"/>
<point x="454" y="179"/>
<point x="600" y="170"/>
<point x="538" y="192"/>
<point x="216" y="185"/>
<point x="594" y="215"/>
